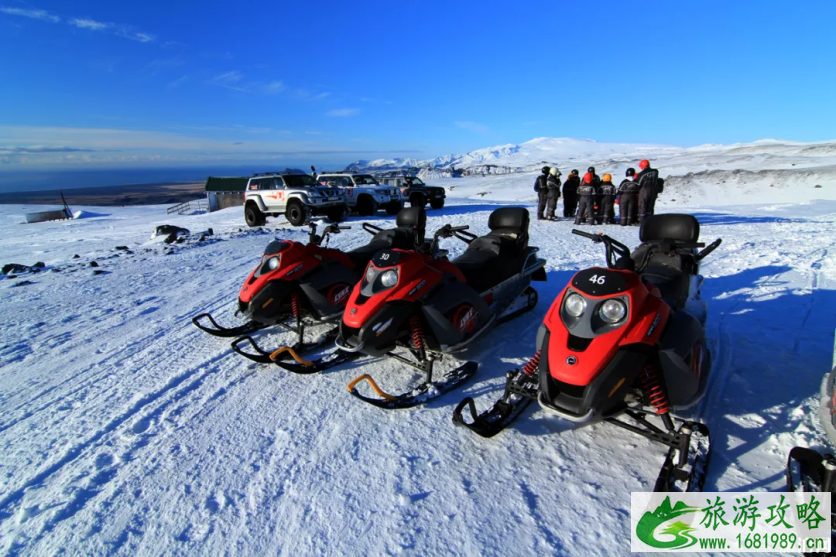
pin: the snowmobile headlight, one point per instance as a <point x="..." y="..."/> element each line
<point x="575" y="304"/>
<point x="613" y="311"/>
<point x="370" y="274"/>
<point x="273" y="263"/>
<point x="389" y="278"/>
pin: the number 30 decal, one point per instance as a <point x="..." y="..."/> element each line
<point x="598" y="279"/>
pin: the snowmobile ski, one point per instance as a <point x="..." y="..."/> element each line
<point x="685" y="466"/>
<point x="810" y="471"/>
<point x="520" y="390"/>
<point x="226" y="332"/>
<point x="421" y="394"/>
<point x="299" y="365"/>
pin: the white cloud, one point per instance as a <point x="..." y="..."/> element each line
<point x="321" y="96"/>
<point x="92" y="24"/>
<point x="342" y="112"/>
<point x="43" y="15"/>
<point x="123" y="31"/>
<point x="473" y="126"/>
<point x="274" y="87"/>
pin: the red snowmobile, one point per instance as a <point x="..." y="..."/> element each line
<point x="296" y="285"/>
<point x="426" y="306"/>
<point x="620" y="341"/>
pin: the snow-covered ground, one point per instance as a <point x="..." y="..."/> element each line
<point x="125" y="430"/>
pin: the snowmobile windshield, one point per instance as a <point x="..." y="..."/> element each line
<point x="300" y="181"/>
<point x="364" y="179"/>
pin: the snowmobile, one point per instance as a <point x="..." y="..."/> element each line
<point x="296" y="285"/>
<point x="808" y="470"/>
<point x="426" y="306"/>
<point x="620" y="341"/>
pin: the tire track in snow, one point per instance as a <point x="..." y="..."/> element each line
<point x="72" y="454"/>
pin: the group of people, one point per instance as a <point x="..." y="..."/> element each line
<point x="592" y="200"/>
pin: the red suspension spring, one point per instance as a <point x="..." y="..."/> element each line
<point x="296" y="304"/>
<point x="417" y="332"/>
<point x="657" y="395"/>
<point x="530" y="368"/>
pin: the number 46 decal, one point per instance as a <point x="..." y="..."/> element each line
<point x="598" y="279"/>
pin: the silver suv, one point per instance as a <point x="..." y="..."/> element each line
<point x="364" y="194"/>
<point x="293" y="194"/>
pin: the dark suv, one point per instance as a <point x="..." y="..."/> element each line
<point x="417" y="192"/>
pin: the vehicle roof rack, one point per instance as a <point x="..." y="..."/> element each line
<point x="285" y="172"/>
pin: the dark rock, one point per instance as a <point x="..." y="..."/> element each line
<point x="817" y="186"/>
<point x="76" y="256"/>
<point x="14" y="268"/>
<point x="39" y="265"/>
<point x="94" y="264"/>
<point x="99" y="272"/>
<point x="166" y="229"/>
<point x="123" y="248"/>
<point x="55" y="270"/>
<point x="22" y="283"/>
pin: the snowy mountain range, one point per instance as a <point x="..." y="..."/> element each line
<point x="568" y="153"/>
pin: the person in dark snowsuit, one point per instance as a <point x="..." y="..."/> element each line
<point x="541" y="187"/>
<point x="607" y="193"/>
<point x="586" y="200"/>
<point x="628" y="191"/>
<point x="596" y="183"/>
<point x="570" y="194"/>
<point x="647" y="179"/>
<point x="553" y="194"/>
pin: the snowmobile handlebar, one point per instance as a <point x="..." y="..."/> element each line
<point x="618" y="255"/>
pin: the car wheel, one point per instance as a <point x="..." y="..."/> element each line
<point x="337" y="214"/>
<point x="417" y="200"/>
<point x="366" y="206"/>
<point x="437" y="203"/>
<point x="253" y="216"/>
<point x="394" y="208"/>
<point x="295" y="213"/>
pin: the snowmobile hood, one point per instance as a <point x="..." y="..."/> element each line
<point x="416" y="275"/>
<point x="581" y="346"/>
<point x="293" y="261"/>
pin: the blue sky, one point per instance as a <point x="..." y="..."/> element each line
<point x="100" y="83"/>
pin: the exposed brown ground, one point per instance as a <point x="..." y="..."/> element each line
<point x="140" y="194"/>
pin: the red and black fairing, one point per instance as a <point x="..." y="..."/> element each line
<point x="294" y="273"/>
<point x="378" y="316"/>
<point x="587" y="366"/>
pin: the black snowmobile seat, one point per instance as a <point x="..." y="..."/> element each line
<point x="409" y="232"/>
<point x="499" y="255"/>
<point x="676" y="227"/>
<point x="670" y="271"/>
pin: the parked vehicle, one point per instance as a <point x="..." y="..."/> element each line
<point x="364" y="194"/>
<point x="292" y="193"/>
<point x="417" y="192"/>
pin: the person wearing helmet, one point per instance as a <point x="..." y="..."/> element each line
<point x="586" y="200"/>
<point x="553" y="184"/>
<point x="542" y="189"/>
<point x="628" y="190"/>
<point x="607" y="192"/>
<point x="648" y="180"/>
<point x="570" y="194"/>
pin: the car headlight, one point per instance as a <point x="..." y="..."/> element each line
<point x="273" y="263"/>
<point x="389" y="278"/>
<point x="370" y="274"/>
<point x="613" y="311"/>
<point x="575" y="304"/>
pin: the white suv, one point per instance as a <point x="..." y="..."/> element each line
<point x="363" y="193"/>
<point x="293" y="194"/>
